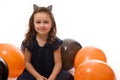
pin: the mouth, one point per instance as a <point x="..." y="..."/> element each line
<point x="41" y="29"/>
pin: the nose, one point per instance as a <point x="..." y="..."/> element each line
<point x="41" y="25"/>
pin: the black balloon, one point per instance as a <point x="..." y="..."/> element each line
<point x="3" y="70"/>
<point x="69" y="48"/>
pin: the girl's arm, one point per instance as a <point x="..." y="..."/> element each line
<point x="57" y="66"/>
<point x="29" y="66"/>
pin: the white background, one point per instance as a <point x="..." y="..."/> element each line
<point x="90" y="22"/>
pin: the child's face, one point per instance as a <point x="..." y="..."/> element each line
<point x="42" y="23"/>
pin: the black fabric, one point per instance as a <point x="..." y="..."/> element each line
<point x="42" y="58"/>
<point x="65" y="75"/>
<point x="26" y="76"/>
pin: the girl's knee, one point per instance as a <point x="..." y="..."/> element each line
<point x="65" y="75"/>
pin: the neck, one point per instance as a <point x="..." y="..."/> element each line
<point x="41" y="39"/>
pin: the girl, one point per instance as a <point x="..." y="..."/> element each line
<point x="41" y="47"/>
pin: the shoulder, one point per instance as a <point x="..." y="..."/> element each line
<point x="57" y="43"/>
<point x="29" y="45"/>
<point x="58" y="40"/>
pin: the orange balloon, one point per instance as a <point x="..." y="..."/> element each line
<point x="14" y="59"/>
<point x="94" y="70"/>
<point x="88" y="53"/>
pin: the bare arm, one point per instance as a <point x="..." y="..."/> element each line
<point x="30" y="68"/>
<point x="57" y="66"/>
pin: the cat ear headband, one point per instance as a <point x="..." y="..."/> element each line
<point x="37" y="7"/>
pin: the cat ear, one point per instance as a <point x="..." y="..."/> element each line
<point x="35" y="6"/>
<point x="49" y="7"/>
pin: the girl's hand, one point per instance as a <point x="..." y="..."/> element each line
<point x="41" y="78"/>
<point x="50" y="78"/>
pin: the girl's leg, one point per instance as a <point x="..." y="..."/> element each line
<point x="65" y="75"/>
<point x="25" y="76"/>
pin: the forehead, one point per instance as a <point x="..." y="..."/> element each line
<point x="42" y="15"/>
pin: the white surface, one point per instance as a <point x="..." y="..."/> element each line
<point x="91" y="22"/>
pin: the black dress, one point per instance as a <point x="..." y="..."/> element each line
<point x="42" y="58"/>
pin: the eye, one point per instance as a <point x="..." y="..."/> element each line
<point x="38" y="22"/>
<point x="46" y="21"/>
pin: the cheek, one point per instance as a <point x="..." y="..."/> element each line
<point x="36" y="27"/>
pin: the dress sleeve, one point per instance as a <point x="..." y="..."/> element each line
<point x="28" y="46"/>
<point x="57" y="43"/>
